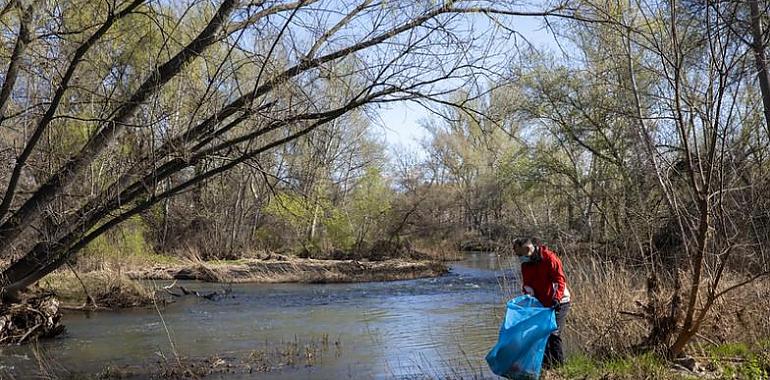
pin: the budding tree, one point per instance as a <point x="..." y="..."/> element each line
<point x="165" y="96"/>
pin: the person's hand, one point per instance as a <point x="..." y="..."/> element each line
<point x="556" y="305"/>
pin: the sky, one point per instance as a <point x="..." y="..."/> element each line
<point x="399" y="123"/>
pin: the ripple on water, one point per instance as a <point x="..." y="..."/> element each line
<point x="425" y="326"/>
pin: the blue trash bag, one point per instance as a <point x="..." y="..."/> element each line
<point x="519" y="351"/>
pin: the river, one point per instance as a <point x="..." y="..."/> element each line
<point x="425" y="328"/>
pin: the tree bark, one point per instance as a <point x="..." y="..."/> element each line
<point x="758" y="46"/>
<point x="23" y="38"/>
<point x="689" y="328"/>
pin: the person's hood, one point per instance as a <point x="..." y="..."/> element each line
<point x="537" y="256"/>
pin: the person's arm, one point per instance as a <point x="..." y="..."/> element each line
<point x="525" y="287"/>
<point x="558" y="279"/>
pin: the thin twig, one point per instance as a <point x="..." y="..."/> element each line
<point x="168" y="333"/>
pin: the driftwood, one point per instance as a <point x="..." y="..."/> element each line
<point x="185" y="292"/>
<point x="32" y="318"/>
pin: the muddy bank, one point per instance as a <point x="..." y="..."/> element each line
<point x="293" y="270"/>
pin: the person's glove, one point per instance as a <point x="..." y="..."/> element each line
<point x="556" y="305"/>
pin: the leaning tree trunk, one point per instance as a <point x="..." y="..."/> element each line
<point x="23" y="38"/>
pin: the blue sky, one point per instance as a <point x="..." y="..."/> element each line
<point x="400" y="122"/>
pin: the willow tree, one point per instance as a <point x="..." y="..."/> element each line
<point x="263" y="69"/>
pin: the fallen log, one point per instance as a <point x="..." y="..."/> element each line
<point x="211" y="296"/>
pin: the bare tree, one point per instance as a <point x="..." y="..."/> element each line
<point x="377" y="52"/>
<point x="687" y="113"/>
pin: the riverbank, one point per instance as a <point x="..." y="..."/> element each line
<point x="284" y="269"/>
<point x="123" y="284"/>
<point x="374" y="330"/>
<point x="449" y="323"/>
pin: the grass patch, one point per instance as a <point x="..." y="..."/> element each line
<point x="646" y="366"/>
<point x="728" y="361"/>
<point x="741" y="350"/>
<point x="118" y="260"/>
<point x="108" y="289"/>
<point x="579" y="366"/>
<point x="741" y="360"/>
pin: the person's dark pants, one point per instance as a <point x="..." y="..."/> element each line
<point x="554" y="352"/>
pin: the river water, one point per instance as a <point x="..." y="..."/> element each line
<point x="434" y="328"/>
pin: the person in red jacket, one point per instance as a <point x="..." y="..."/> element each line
<point x="543" y="277"/>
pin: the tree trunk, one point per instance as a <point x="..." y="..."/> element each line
<point x="758" y="46"/>
<point x="314" y="222"/>
<point x="13" y="66"/>
<point x="689" y="329"/>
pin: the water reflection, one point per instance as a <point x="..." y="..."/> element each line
<point x="428" y="327"/>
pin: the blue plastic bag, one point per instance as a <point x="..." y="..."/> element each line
<point x="519" y="351"/>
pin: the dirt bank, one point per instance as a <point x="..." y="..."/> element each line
<point x="287" y="269"/>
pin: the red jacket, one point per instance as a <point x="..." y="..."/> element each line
<point x="545" y="276"/>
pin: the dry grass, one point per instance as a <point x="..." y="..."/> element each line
<point x="101" y="275"/>
<point x="605" y="293"/>
<point x="107" y="288"/>
<point x="275" y="268"/>
<point x="121" y="262"/>
<point x="741" y="316"/>
<point x="112" y="281"/>
<point x="442" y="251"/>
<point x="601" y="335"/>
<point x="294" y="270"/>
<point x="600" y="291"/>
